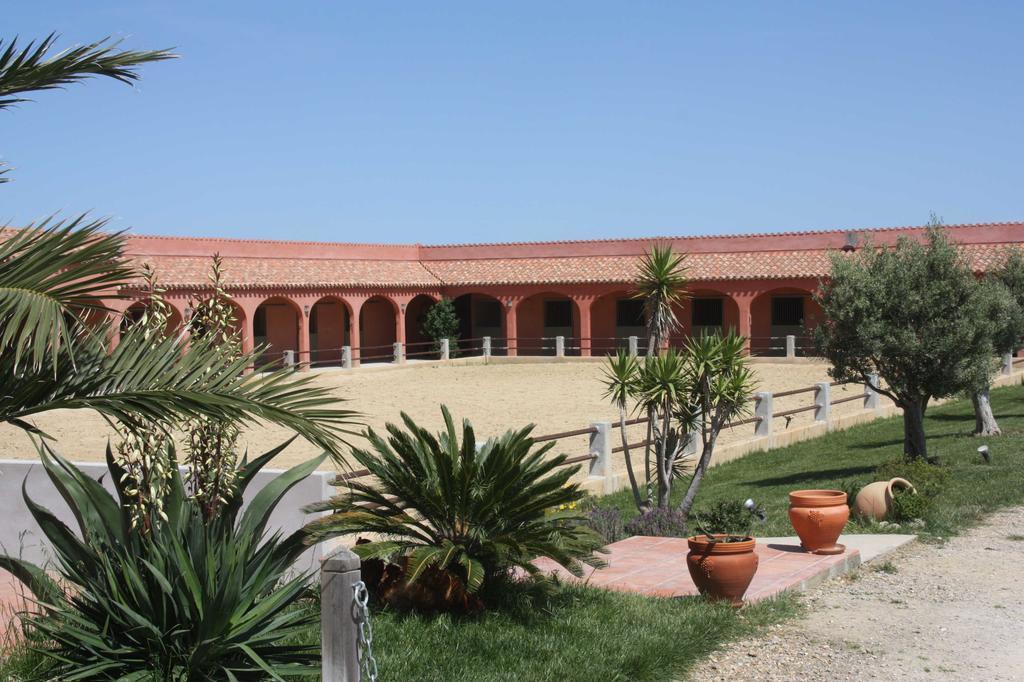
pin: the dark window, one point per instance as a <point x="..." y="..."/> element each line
<point x="314" y="313"/>
<point x="259" y="322"/>
<point x="707" y="312"/>
<point x="787" y="311"/>
<point x="557" y="313"/>
<point x="488" y="314"/>
<point x="629" y="313"/>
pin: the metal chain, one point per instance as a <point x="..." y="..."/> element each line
<point x="364" y="649"/>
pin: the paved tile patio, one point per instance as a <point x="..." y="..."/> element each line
<point x="657" y="566"/>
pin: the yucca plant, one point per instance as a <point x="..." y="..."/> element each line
<point x="451" y="503"/>
<point x="191" y="598"/>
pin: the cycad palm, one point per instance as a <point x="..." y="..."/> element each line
<point x="449" y="502"/>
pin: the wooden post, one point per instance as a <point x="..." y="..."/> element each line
<point x="339" y="627"/>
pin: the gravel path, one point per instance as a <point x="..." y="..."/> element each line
<point x="931" y="612"/>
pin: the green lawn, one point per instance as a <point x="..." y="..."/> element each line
<point x="843" y="458"/>
<point x="585" y="634"/>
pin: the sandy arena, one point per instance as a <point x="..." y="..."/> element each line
<point x="556" y="396"/>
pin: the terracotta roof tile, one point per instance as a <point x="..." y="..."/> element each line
<point x="191" y="272"/>
<point x="244" y="273"/>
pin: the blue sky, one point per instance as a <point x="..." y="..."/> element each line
<point x="450" y="122"/>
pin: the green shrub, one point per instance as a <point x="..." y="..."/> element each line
<point x="442" y="322"/>
<point x="730" y="517"/>
<point x="446" y="503"/>
<point x="907" y="506"/>
<point x="928" y="479"/>
<point x="659" y="522"/>
<point x="181" y="598"/>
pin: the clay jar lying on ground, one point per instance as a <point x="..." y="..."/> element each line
<point x="874" y="501"/>
<point x="818" y="516"/>
<point x="722" y="570"/>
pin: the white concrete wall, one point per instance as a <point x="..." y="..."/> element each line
<point x="19" y="534"/>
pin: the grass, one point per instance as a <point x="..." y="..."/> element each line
<point x="579" y="633"/>
<point x="847" y="459"/>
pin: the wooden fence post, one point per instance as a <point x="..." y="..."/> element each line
<point x="339" y="624"/>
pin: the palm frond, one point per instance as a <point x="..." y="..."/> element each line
<point x="52" y="277"/>
<point x="163" y="380"/>
<point x="32" y="68"/>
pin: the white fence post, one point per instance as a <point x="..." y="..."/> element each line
<point x="601" y="450"/>
<point x="289" y="358"/>
<point x="822" y="401"/>
<point x="560" y="346"/>
<point x="634" y="346"/>
<point x="339" y="627"/>
<point x="1007" y="364"/>
<point x="790" y="346"/>
<point x="346" y="357"/>
<point x="487" y="347"/>
<point x="870" y="394"/>
<point x="763" y="410"/>
<point x="446" y="350"/>
<point x="398" y="352"/>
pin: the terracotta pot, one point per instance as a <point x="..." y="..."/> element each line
<point x="874" y="501"/>
<point x="818" y="516"/>
<point x="722" y="570"/>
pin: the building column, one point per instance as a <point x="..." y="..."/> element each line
<point x="586" y="331"/>
<point x="511" y="327"/>
<point x="743" y="303"/>
<point x="400" y="325"/>
<point x="304" y="357"/>
<point x="354" y="330"/>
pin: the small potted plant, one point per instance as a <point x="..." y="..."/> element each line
<point x="722" y="560"/>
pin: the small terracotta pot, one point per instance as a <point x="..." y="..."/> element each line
<point x="722" y="570"/>
<point x="818" y="516"/>
<point x="874" y="501"/>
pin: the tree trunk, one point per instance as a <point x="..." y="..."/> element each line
<point x="984" y="421"/>
<point x="914" y="445"/>
<point x="641" y="507"/>
<point x="664" y="476"/>
<point x="698" y="475"/>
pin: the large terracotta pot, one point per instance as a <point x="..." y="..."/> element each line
<point x="874" y="501"/>
<point x="722" y="570"/>
<point x="818" y="516"/>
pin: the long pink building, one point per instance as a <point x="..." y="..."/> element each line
<point x="315" y="298"/>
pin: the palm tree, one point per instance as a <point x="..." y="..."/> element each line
<point x="54" y="354"/>
<point x="661" y="284"/>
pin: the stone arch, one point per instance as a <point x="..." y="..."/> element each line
<point x="133" y="313"/>
<point x="779" y="312"/>
<point x="275" y="325"/>
<point x="418" y="344"/>
<point x="330" y="328"/>
<point x="706" y="310"/>
<point x="543" y="316"/>
<point x="480" y="315"/>
<point x="614" y="317"/>
<point x="378" y="329"/>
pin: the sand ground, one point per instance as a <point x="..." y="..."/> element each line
<point x="556" y="396"/>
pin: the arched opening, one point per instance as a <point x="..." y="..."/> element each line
<point x="705" y="311"/>
<point x="480" y="315"/>
<point x="276" y="325"/>
<point x="542" y="317"/>
<point x="613" y="319"/>
<point x="135" y="312"/>
<point x="330" y="328"/>
<point x="377" y="330"/>
<point x="779" y="313"/>
<point x="418" y="344"/>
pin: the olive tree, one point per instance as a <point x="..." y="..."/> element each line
<point x="1001" y="297"/>
<point x="911" y="314"/>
